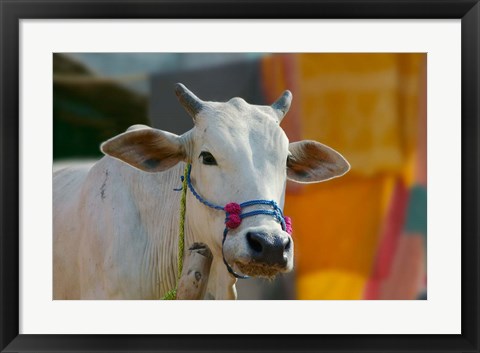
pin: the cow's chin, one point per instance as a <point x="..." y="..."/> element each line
<point x="256" y="269"/>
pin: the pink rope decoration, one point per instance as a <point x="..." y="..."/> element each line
<point x="288" y="225"/>
<point x="233" y="207"/>
<point x="233" y="219"/>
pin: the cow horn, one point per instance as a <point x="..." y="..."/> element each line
<point x="282" y="104"/>
<point x="190" y="102"/>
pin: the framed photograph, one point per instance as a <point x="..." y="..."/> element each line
<point x="277" y="153"/>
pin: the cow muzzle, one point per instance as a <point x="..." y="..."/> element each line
<point x="260" y="251"/>
<point x="268" y="255"/>
<point x="271" y="250"/>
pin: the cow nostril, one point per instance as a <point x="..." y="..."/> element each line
<point x="288" y="245"/>
<point x="255" y="244"/>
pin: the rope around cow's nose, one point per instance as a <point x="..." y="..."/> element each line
<point x="234" y="215"/>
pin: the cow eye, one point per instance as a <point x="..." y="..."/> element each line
<point x="208" y="159"/>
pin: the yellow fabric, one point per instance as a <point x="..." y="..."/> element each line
<point x="363" y="105"/>
<point x="331" y="285"/>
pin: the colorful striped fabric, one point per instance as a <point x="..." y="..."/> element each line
<point x="358" y="237"/>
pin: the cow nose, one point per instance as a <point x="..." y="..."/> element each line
<point x="269" y="249"/>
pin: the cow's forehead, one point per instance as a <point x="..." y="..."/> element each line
<point x="236" y="109"/>
<point x="238" y="122"/>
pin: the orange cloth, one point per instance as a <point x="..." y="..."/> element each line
<point x="336" y="224"/>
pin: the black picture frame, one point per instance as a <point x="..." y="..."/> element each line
<point x="12" y="11"/>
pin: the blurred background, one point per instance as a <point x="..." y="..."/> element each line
<point x="362" y="236"/>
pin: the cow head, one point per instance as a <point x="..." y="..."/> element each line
<point x="238" y="153"/>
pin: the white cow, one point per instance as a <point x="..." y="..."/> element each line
<point x="116" y="224"/>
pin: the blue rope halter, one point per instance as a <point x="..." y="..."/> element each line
<point x="234" y="215"/>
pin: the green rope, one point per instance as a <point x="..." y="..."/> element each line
<point x="172" y="294"/>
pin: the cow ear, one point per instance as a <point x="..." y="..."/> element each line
<point x="310" y="162"/>
<point x="147" y="149"/>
